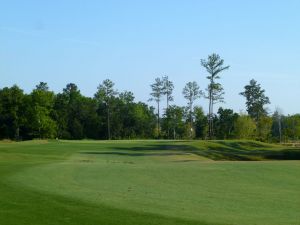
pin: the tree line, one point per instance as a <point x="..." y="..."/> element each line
<point x="110" y="114"/>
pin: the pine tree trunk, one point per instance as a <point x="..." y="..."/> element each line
<point x="209" y="113"/>
<point x="158" y="119"/>
<point x="168" y="117"/>
<point x="191" y="118"/>
<point x="108" y="123"/>
<point x="174" y="133"/>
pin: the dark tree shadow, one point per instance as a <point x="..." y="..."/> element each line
<point x="219" y="150"/>
<point x="239" y="151"/>
<point x="133" y="154"/>
<point x="159" y="147"/>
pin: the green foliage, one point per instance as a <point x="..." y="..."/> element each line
<point x="76" y="115"/>
<point x="12" y="113"/>
<point x="189" y="132"/>
<point x="201" y="125"/>
<point x="145" y="120"/>
<point x="255" y="100"/>
<point x="106" y="92"/>
<point x="104" y="96"/>
<point x="158" y="91"/>
<point x="291" y="127"/>
<point x="276" y="132"/>
<point x="191" y="92"/>
<point x="224" y="125"/>
<point x="264" y="128"/>
<point x="40" y="112"/>
<point x="168" y="88"/>
<point x="175" y="119"/>
<point x="244" y="127"/>
<point x="68" y="112"/>
<point x="214" y="65"/>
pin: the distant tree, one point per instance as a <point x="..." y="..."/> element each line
<point x="168" y="88"/>
<point x="42" y="86"/>
<point x="71" y="113"/>
<point x="244" y="127"/>
<point x="61" y="116"/>
<point x="74" y="97"/>
<point x="89" y="118"/>
<point x="157" y="94"/>
<point x="225" y="123"/>
<point x="291" y="127"/>
<point x="127" y="97"/>
<point x="277" y="124"/>
<point x="214" y="66"/>
<point x="105" y="94"/>
<point x="40" y="112"/>
<point x="264" y="128"/>
<point x="12" y="115"/>
<point x="255" y="100"/>
<point x="145" y="120"/>
<point x="191" y="92"/>
<point x="175" y="116"/>
<point x="124" y="110"/>
<point x="200" y="123"/>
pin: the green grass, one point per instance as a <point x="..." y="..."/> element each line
<point x="149" y="182"/>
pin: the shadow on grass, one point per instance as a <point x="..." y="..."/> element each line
<point x="159" y="147"/>
<point x="134" y="154"/>
<point x="215" y="150"/>
<point x="240" y="151"/>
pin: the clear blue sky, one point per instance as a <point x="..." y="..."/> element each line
<point x="133" y="42"/>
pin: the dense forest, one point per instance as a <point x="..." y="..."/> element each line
<point x="113" y="115"/>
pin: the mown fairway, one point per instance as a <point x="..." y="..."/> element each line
<point x="148" y="182"/>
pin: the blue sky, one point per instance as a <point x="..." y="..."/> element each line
<point x="133" y="42"/>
